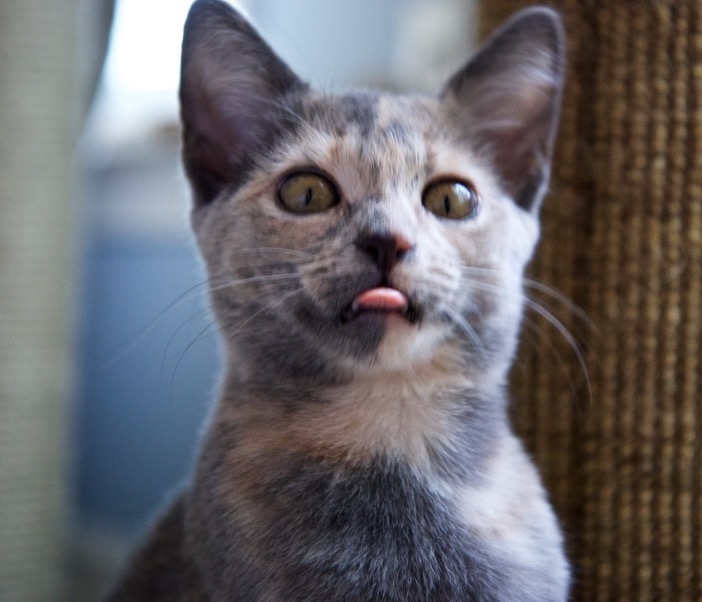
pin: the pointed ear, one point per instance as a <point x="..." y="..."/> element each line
<point x="507" y="101"/>
<point x="232" y="95"/>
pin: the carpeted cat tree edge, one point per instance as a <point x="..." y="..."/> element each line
<point x="622" y="237"/>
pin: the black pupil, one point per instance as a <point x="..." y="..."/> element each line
<point x="308" y="197"/>
<point x="447" y="204"/>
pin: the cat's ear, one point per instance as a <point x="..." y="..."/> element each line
<point x="507" y="100"/>
<point x="232" y="96"/>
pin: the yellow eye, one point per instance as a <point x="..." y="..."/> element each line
<point x="451" y="199"/>
<point x="307" y="192"/>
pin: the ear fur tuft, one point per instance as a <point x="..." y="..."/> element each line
<point x="232" y="96"/>
<point x="507" y="99"/>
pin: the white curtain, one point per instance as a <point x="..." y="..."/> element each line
<point x="50" y="54"/>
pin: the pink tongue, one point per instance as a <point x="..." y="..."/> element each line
<point x="381" y="298"/>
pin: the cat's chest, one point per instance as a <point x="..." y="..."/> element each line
<point x="378" y="532"/>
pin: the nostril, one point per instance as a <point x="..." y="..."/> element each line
<point x="402" y="246"/>
<point x="385" y="249"/>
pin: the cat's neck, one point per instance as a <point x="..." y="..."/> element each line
<point x="429" y="414"/>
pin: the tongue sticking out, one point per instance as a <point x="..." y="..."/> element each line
<point x="381" y="299"/>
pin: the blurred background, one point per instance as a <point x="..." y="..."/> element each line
<point x="108" y="355"/>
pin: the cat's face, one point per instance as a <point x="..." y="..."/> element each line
<point x="365" y="231"/>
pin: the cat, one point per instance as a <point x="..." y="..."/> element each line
<point x="365" y="254"/>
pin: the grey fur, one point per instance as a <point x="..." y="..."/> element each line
<point x="362" y="456"/>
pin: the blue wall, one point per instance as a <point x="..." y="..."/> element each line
<point x="148" y="348"/>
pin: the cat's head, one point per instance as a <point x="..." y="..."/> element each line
<point x="367" y="231"/>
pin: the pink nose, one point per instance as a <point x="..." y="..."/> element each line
<point x="385" y="249"/>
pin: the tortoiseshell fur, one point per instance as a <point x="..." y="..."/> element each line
<point x="367" y="458"/>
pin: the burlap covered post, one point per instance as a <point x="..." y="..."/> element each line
<point x="623" y="238"/>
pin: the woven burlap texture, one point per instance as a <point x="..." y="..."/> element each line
<point x="622" y="237"/>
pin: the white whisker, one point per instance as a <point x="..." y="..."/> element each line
<point x="460" y="321"/>
<point x="189" y="346"/>
<point x="282" y="250"/>
<point x="132" y="341"/>
<point x="260" y="278"/>
<point x="274" y="303"/>
<point x="565" y="333"/>
<point x="477" y="279"/>
<point x="561" y="298"/>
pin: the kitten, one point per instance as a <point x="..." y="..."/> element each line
<point x="365" y="254"/>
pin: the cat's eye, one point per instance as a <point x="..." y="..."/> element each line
<point x="451" y="199"/>
<point x="307" y="192"/>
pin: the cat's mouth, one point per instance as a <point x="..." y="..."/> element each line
<point x="381" y="300"/>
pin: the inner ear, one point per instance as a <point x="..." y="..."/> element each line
<point x="506" y="101"/>
<point x="233" y="95"/>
